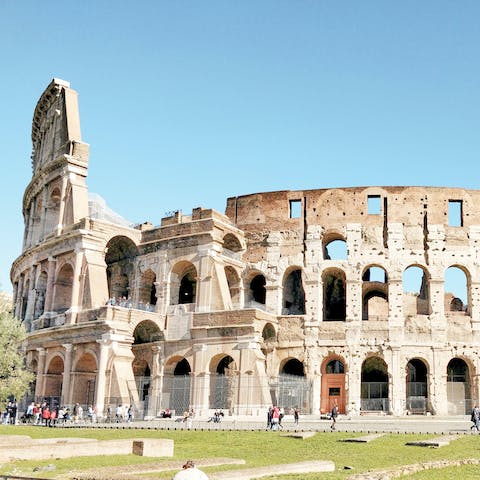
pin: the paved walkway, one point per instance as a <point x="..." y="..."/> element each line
<point x="368" y="424"/>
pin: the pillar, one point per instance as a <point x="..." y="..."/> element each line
<point x="39" y="386"/>
<point x="52" y="262"/>
<point x="75" y="301"/>
<point x="104" y="343"/>
<point x="67" y="370"/>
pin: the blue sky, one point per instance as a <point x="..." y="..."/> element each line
<point x="186" y="103"/>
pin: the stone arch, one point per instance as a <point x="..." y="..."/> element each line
<point x="84" y="377"/>
<point x="63" y="288"/>
<point x="375" y="385"/>
<point x="176" y="385"/>
<point x="183" y="283"/>
<point x="269" y="333"/>
<point x="234" y="285"/>
<point x="256" y="292"/>
<point x="334" y="246"/>
<point x="293" y="389"/>
<point x="459" y="395"/>
<point x="333" y="384"/>
<point x="457" y="289"/>
<point x="120" y="256"/>
<point x="52" y="214"/>
<point x="334" y="295"/>
<point x="374" y="293"/>
<point x="41" y="289"/>
<point x="147" y="293"/>
<point x="25" y="294"/>
<point x="293" y="292"/>
<point x="223" y="382"/>
<point x="417" y="386"/>
<point x="232" y="243"/>
<point x="147" y="331"/>
<point x="141" y="373"/>
<point x="54" y="377"/>
<point x="416" y="290"/>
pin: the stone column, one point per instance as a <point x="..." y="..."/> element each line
<point x="204" y="283"/>
<point x="67" y="371"/>
<point x="438" y="319"/>
<point x="244" y="394"/>
<point x="397" y="387"/>
<point x="474" y="310"/>
<point x="105" y="343"/>
<point x="61" y="212"/>
<point x="353" y="382"/>
<point x="40" y="385"/>
<point x="156" y="387"/>
<point x="200" y="384"/>
<point x="75" y="301"/>
<point x="273" y="297"/>
<point x="52" y="262"/>
<point x="437" y="380"/>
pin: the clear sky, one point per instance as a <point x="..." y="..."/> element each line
<point x="185" y="103"/>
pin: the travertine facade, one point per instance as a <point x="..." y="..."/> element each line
<point x="291" y="297"/>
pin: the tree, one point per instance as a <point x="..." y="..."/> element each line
<point x="14" y="378"/>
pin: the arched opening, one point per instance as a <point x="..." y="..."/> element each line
<point x="121" y="252"/>
<point x="293" y="387"/>
<point x="52" y="211"/>
<point x="233" y="281"/>
<point x="416" y="291"/>
<point x="374" y="389"/>
<point x="333" y="385"/>
<point x="458" y="387"/>
<point x="188" y="285"/>
<point x="25" y="293"/>
<point x="223" y="382"/>
<point x="84" y="377"/>
<point x="54" y="379"/>
<point x="417" y="387"/>
<point x="147" y="293"/>
<point x="334" y="299"/>
<point x="147" y="332"/>
<point x="375" y="294"/>
<point x="269" y="333"/>
<point x="335" y="250"/>
<point x="40" y="298"/>
<point x="141" y="373"/>
<point x="63" y="289"/>
<point x="293" y="294"/>
<point x="176" y="386"/>
<point x="183" y="284"/>
<point x="257" y="290"/>
<point x="231" y="243"/>
<point x="457" y="291"/>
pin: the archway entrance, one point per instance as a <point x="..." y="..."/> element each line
<point x="374" y="385"/>
<point x="180" y="387"/>
<point x="333" y="386"/>
<point x="417" y="390"/>
<point x="458" y="388"/>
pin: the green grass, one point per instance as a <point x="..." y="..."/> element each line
<point x="259" y="449"/>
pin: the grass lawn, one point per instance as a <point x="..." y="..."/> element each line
<point x="259" y="448"/>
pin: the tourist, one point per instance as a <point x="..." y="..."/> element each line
<point x="190" y="472"/>
<point x="296" y="416"/>
<point x="475" y="418"/>
<point x="334" y="416"/>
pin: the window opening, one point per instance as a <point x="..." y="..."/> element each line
<point x="455" y="213"/>
<point x="374" y="205"/>
<point x="295" y="208"/>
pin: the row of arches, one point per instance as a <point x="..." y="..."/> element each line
<point x="249" y="290"/>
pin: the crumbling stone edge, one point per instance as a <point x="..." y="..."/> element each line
<point x="411" y="469"/>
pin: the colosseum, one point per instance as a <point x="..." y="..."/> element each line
<point x="294" y="298"/>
